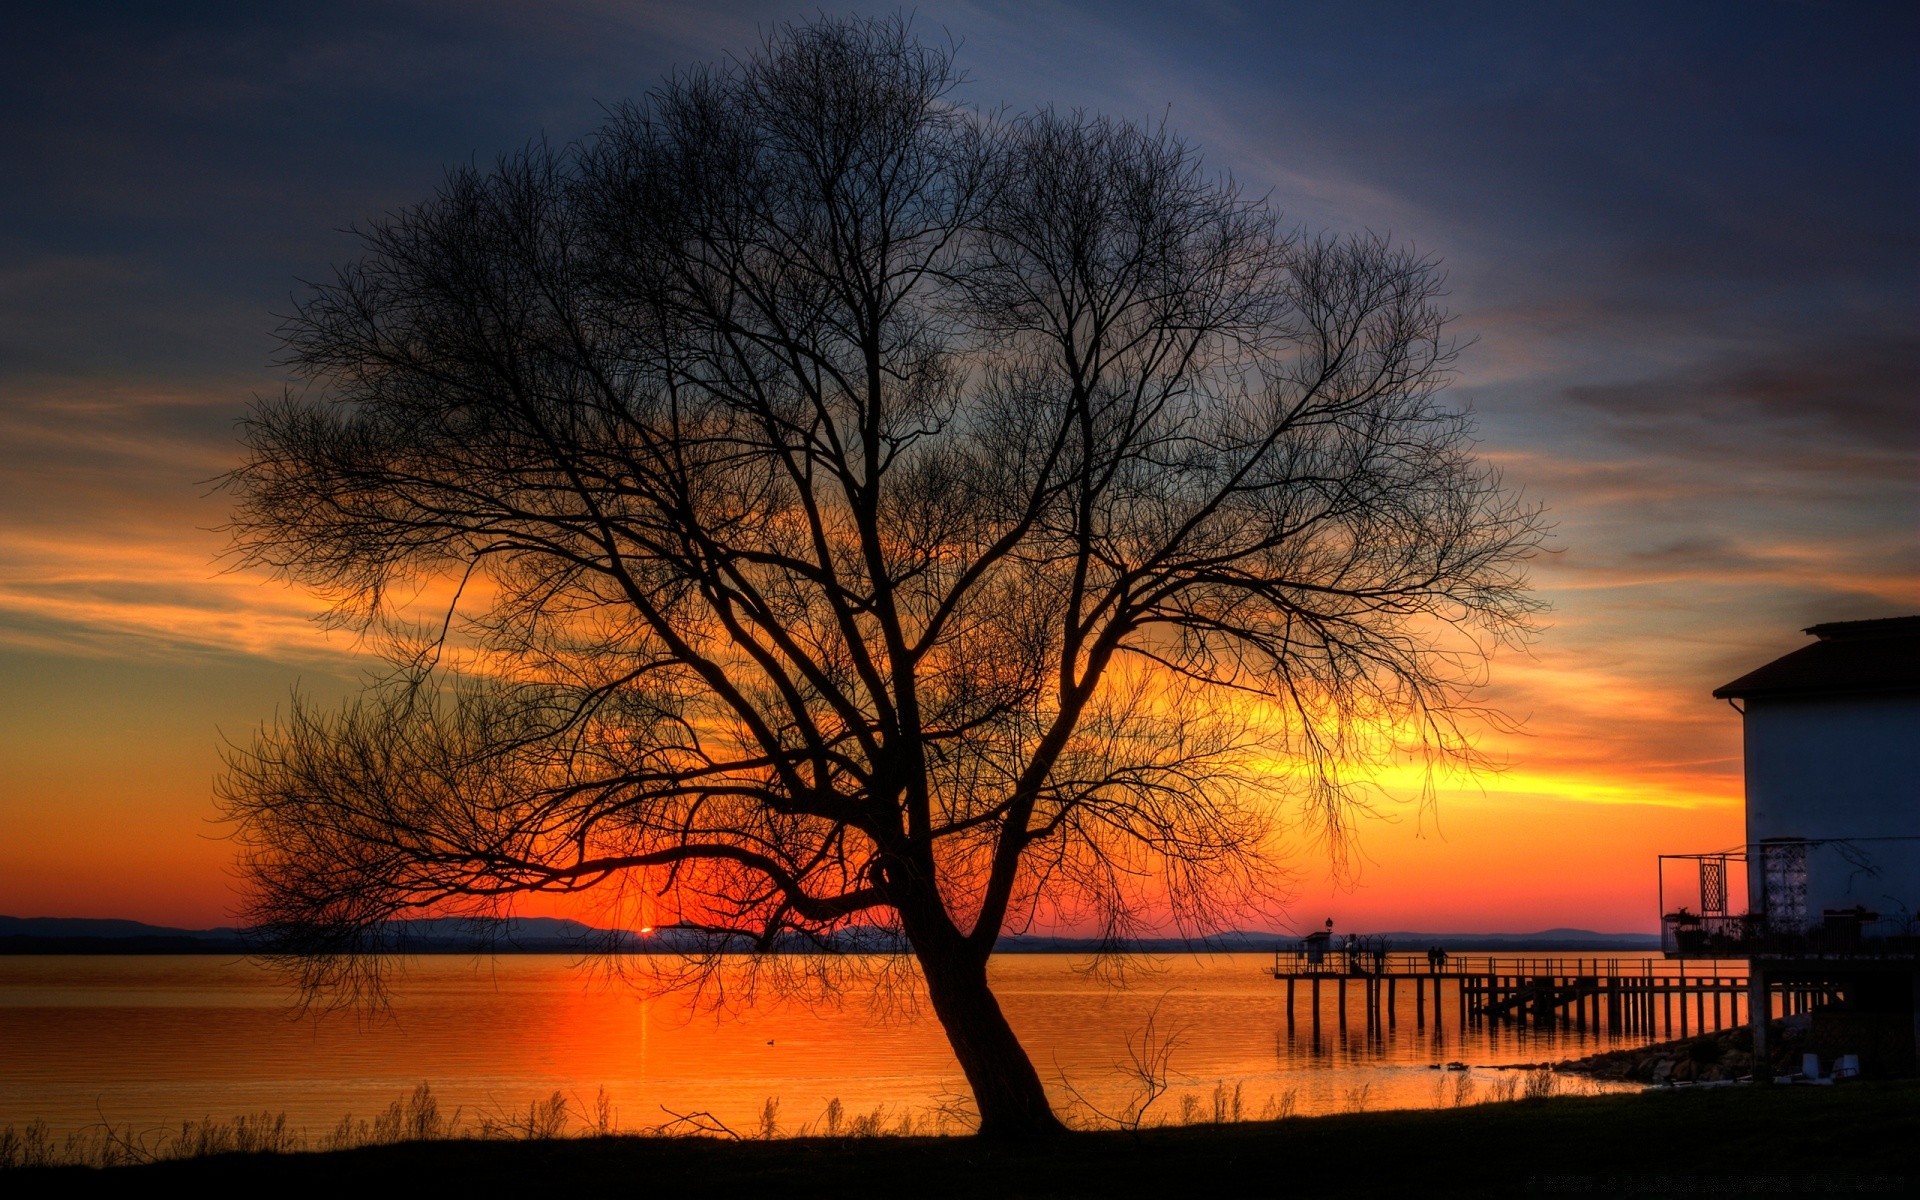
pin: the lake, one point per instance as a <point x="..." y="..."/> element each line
<point x="147" y="1042"/>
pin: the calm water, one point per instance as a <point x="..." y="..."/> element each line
<point x="150" y="1041"/>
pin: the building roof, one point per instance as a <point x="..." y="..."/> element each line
<point x="1850" y="658"/>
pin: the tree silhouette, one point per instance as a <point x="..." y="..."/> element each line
<point x="846" y="510"/>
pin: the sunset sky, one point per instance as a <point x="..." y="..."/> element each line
<point x="1684" y="242"/>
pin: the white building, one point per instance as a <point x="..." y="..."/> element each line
<point x="1833" y="781"/>
<point x="1832" y="853"/>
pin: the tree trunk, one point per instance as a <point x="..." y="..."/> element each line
<point x="1006" y="1088"/>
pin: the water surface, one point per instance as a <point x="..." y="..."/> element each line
<point x="152" y="1041"/>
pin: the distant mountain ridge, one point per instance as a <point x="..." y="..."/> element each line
<point x="549" y="935"/>
<point x="81" y="935"/>
<point x="100" y="927"/>
<point x="1242" y="941"/>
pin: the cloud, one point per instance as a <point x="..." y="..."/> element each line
<point x="1851" y="402"/>
<point x="1683" y="236"/>
<point x="101" y="588"/>
<point x="109" y="547"/>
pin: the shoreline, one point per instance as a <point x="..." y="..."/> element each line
<point x="1855" y="1138"/>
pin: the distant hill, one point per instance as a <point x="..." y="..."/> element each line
<point x="81" y="935"/>
<point x="551" y="935"/>
<point x="1545" y="939"/>
<point x="85" y="935"/>
<point x="92" y="927"/>
<point x="1240" y="941"/>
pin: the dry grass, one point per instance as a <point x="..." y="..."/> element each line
<point x="416" y="1118"/>
<point x="1764" y="1140"/>
<point x="419" y="1117"/>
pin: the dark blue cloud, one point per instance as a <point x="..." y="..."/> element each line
<point x="1680" y="159"/>
<point x="1680" y="232"/>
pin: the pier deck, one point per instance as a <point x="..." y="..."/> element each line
<point x="1648" y="996"/>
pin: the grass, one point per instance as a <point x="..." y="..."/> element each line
<point x="419" y="1117"/>
<point x="1857" y="1139"/>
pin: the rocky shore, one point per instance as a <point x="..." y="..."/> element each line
<point x="1713" y="1057"/>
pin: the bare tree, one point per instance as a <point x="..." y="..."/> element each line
<point x="848" y="510"/>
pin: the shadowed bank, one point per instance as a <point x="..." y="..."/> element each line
<point x="1713" y="1141"/>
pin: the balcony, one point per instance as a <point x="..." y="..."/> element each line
<point x="1776" y="876"/>
<point x="1843" y="933"/>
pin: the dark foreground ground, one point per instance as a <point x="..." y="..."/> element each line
<point x="1853" y="1139"/>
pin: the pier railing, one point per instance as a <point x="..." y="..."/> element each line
<point x="1337" y="963"/>
<point x="1635" y="994"/>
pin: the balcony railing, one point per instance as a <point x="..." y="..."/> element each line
<point x="1774" y="874"/>
<point x="1846" y="933"/>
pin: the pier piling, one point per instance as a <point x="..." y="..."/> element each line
<point x="1622" y="996"/>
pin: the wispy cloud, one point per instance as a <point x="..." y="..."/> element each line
<point x="1680" y="241"/>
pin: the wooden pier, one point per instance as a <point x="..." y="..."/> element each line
<point x="1643" y="996"/>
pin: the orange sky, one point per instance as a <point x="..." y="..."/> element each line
<point x="130" y="655"/>
<point x="1716" y="407"/>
